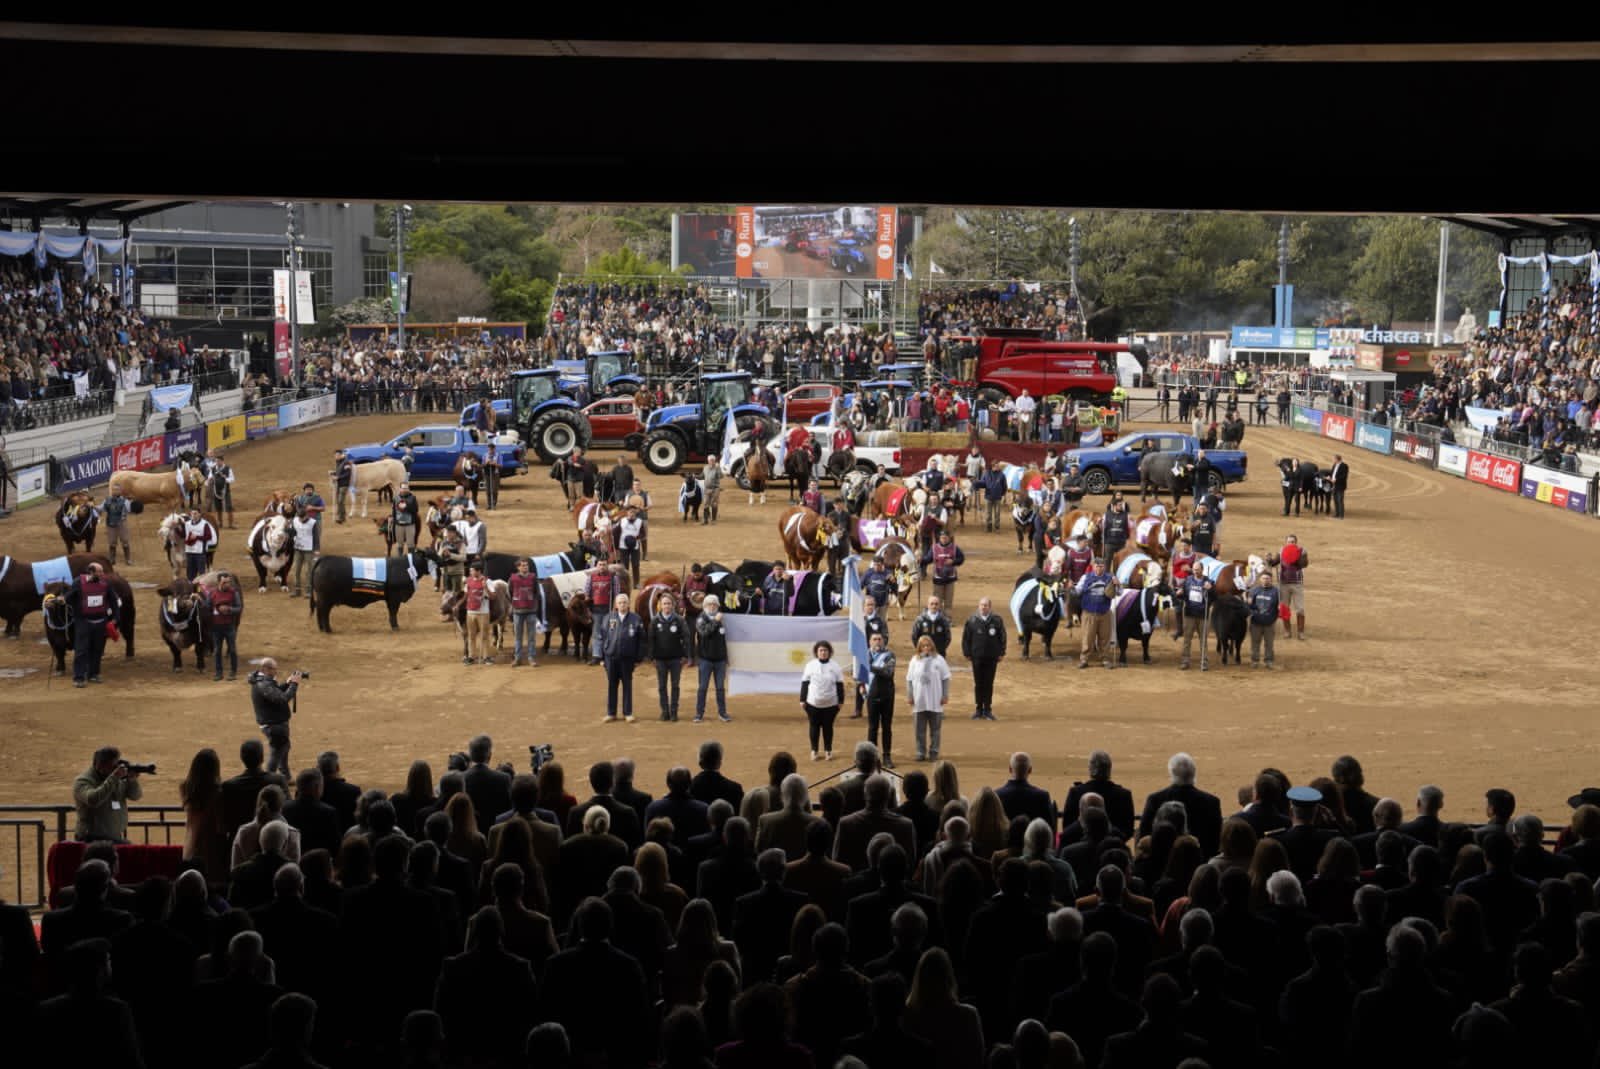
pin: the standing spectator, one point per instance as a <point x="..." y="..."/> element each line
<point x="1292" y="562"/>
<point x="205" y="839"/>
<point x="477" y="614"/>
<point x="983" y="643"/>
<point x="343" y="473"/>
<point x="305" y="550"/>
<point x="711" y="645"/>
<point x="928" y="692"/>
<point x="224" y="608"/>
<point x="526" y="620"/>
<point x="879" y="695"/>
<point x="711" y="480"/>
<point x="1025" y="407"/>
<point x="1196" y="595"/>
<point x="1095" y="593"/>
<point x="934" y="624"/>
<point x="488" y="787"/>
<point x="115" y="511"/>
<point x="601" y="588"/>
<point x="623" y="647"/>
<point x="630" y="537"/>
<point x="474" y="533"/>
<point x="1114" y="529"/>
<point x="95" y="604"/>
<point x="1341" y="480"/>
<point x="101" y="794"/>
<point x="821" y="695"/>
<point x="404" y="520"/>
<point x="1204" y="811"/>
<point x="1263" y="599"/>
<point x="669" y="648"/>
<point x="273" y="704"/>
<point x="199" y="543"/>
<point x="935" y="1014"/>
<point x="945" y="557"/>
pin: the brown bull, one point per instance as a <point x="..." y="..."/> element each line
<point x="805" y="537"/>
<point x="1156" y="534"/>
<point x="77" y="519"/>
<point x="894" y="502"/>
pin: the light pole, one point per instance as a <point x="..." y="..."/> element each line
<point x="292" y="232"/>
<point x="402" y="216"/>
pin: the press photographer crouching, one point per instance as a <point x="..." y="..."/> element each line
<point x="274" y="704"/>
<point x="102" y="794"/>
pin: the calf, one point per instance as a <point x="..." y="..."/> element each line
<point x="181" y="621"/>
<point x="454" y="607"/>
<point x="1229" y="620"/>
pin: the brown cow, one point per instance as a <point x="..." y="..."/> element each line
<point x="453" y="606"/>
<point x="77" y="519"/>
<point x="653" y="586"/>
<point x="1155" y="533"/>
<point x="1082" y="523"/>
<point x="805" y="537"/>
<point x="169" y="489"/>
<point x="182" y="624"/>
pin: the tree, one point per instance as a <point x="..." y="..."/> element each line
<point x="520" y="300"/>
<point x="625" y="262"/>
<point x="444" y="288"/>
<point x="360" y="310"/>
<point x="1474" y="278"/>
<point x="1395" y="275"/>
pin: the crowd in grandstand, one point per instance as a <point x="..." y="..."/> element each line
<point x="488" y="918"/>
<point x="429" y="376"/>
<point x="955" y="312"/>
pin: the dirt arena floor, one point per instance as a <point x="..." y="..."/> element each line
<point x="1447" y="644"/>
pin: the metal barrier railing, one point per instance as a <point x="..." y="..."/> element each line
<point x="34" y="828"/>
<point x="51" y="411"/>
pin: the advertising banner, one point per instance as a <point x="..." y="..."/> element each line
<point x="261" y="422"/>
<point x="136" y="456"/>
<point x="85" y="470"/>
<point x="1281" y="338"/>
<point x="1308" y="419"/>
<point x="1254" y="337"/>
<point x="1339" y="428"/>
<point x="1453" y="459"/>
<point x="1483" y="420"/>
<point x="308" y="411"/>
<point x="1377" y="439"/>
<point x="816" y="241"/>
<point x="280" y="295"/>
<point x="165" y="397"/>
<point x="1556" y="488"/>
<point x="1415" y="448"/>
<point x="1498" y="472"/>
<point x="222" y="433"/>
<point x="30" y="484"/>
<point x="177" y="443"/>
<point x="282" y="349"/>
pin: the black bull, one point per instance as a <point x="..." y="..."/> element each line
<point x="1153" y="608"/>
<point x="18" y="598"/>
<point x="1040" y="612"/>
<point x="333" y="583"/>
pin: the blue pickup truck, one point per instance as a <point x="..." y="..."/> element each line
<point x="1118" y="464"/>
<point x="435" y="450"/>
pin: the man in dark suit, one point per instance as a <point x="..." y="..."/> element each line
<point x="87" y="918"/>
<point x="638" y="928"/>
<point x="730" y="873"/>
<point x="1160" y="1038"/>
<point x="338" y="791"/>
<point x="785" y="827"/>
<point x="887" y="1043"/>
<point x="908" y="933"/>
<point x="1135" y="936"/>
<point x="1093" y="1009"/>
<point x="1303" y="840"/>
<point x="117" y="896"/>
<point x="617" y="1027"/>
<point x="850" y="846"/>
<point x="88" y="1009"/>
<point x="588" y="859"/>
<point x="762" y="918"/>
<point x="1425" y="829"/>
<point x="1341" y="480"/>
<point x="1040" y="976"/>
<point x="1510" y="903"/>
<point x="423" y="875"/>
<point x="489" y="788"/>
<point x="485" y="997"/>
<point x="1407" y="1017"/>
<point x="388" y="930"/>
<point x="915" y="809"/>
<point x="239" y="793"/>
<point x="625" y="792"/>
<point x="296" y="936"/>
<point x="1020" y="798"/>
<point x="1204" y="810"/>
<point x="1263" y="813"/>
<point x="867" y="916"/>
<point x="1004" y="930"/>
<point x="452" y="872"/>
<point x="250" y="884"/>
<point x="314" y="819"/>
<point x="687" y="813"/>
<point x="1118" y="799"/>
<point x="867" y="763"/>
<point x="232" y="1012"/>
<point x="817" y="876"/>
<point x="152" y="968"/>
<point x="1084" y="855"/>
<point x="624" y="823"/>
<point x="1386" y="815"/>
<point x="543" y="830"/>
<point x="711" y="784"/>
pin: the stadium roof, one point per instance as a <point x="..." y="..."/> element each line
<point x="1518" y="226"/>
<point x="46" y="206"/>
<point x="1086" y="107"/>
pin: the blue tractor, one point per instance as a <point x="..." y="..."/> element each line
<point x="606" y="374"/>
<point x="549" y="421"/>
<point x="678" y="434"/>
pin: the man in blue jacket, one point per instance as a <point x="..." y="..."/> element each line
<point x="622" y="646"/>
<point x="1196" y="596"/>
<point x="994" y="496"/>
<point x="1263" y="617"/>
<point x="1095" y="591"/>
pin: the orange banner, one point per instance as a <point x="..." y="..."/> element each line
<point x="883" y="254"/>
<point x="744" y="241"/>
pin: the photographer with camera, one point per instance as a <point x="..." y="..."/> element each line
<point x="274" y="704"/>
<point x="101" y="795"/>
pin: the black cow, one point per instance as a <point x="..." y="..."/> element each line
<point x="1166" y="472"/>
<point x="1230" y="617"/>
<point x="740" y="589"/>
<point x="182" y="623"/>
<point x="1154" y="607"/>
<point x="1040" y="611"/>
<point x="817" y="595"/>
<point x="58" y="624"/>
<point x="333" y="583"/>
<point x="577" y="557"/>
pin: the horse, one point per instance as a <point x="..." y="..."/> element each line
<point x="470" y="478"/>
<point x="58" y="624"/>
<point x="797" y="465"/>
<point x="182" y="623"/>
<point x="1156" y="534"/>
<point x="271" y="547"/>
<point x="757" y="470"/>
<point x="387" y="473"/>
<point x="1137" y="613"/>
<point x="1166" y="472"/>
<point x="1037" y="607"/>
<point x="805" y="537"/>
<point x="77" y="519"/>
<point x="901" y="560"/>
<point x="22" y="586"/>
<point x="169" y="489"/>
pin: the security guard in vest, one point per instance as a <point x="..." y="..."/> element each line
<point x="1119" y="399"/>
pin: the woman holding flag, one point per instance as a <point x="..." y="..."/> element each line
<point x="821" y="695"/>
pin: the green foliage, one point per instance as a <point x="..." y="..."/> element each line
<point x="625" y="261"/>
<point x="1395" y="275"/>
<point x="360" y="310"/>
<point x="518" y="299"/>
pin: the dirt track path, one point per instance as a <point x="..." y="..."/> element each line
<point x="1447" y="646"/>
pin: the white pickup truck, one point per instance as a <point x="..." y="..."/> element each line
<point x="868" y="457"/>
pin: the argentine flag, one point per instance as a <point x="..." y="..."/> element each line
<point x="766" y="654"/>
<point x="1091" y="438"/>
<point x="854" y="602"/>
<point x="783" y="436"/>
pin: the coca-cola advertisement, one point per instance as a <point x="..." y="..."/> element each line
<point x="1498" y="472"/>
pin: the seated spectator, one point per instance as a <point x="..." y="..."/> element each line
<point x="485" y="997"/>
<point x="761" y="1021"/>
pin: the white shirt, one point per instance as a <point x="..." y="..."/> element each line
<point x="473" y="533"/>
<point x="632" y="531"/>
<point x="198" y="536"/>
<point x="823" y="679"/>
<point x="305" y="533"/>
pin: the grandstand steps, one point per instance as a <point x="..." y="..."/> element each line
<point x="128" y="421"/>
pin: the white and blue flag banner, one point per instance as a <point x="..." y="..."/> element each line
<point x="1483" y="420"/>
<point x="854" y="603"/>
<point x="165" y="397"/>
<point x="1091" y="438"/>
<point x="766" y="654"/>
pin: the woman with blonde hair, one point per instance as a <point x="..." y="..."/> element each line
<point x="683" y="969"/>
<point x="465" y="841"/>
<point x="946" y="786"/>
<point x="655" y="885"/>
<point x="989" y="824"/>
<point x="928" y="691"/>
<point x="935" y="1015"/>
